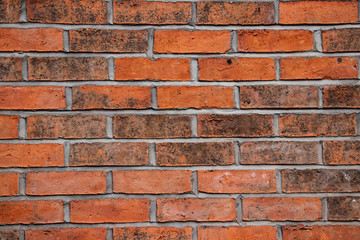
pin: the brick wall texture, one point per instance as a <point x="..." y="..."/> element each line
<point x="179" y="120"/>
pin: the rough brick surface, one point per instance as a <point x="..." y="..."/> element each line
<point x="9" y="184"/>
<point x="341" y="152"/>
<point x="10" y="69"/>
<point x="320" y="232"/>
<point x="341" y="40"/>
<point x="10" y="234"/>
<point x="66" y="233"/>
<point x="342" y="97"/>
<point x="344" y="208"/>
<point x="153" y="233"/>
<point x="9" y="127"/>
<point x="10" y="10"/>
<point x="241" y="233"/>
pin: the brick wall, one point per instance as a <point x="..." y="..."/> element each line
<point x="179" y="120"/>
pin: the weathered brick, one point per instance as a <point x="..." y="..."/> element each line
<point x="344" y="208"/>
<point x="318" y="68"/>
<point x="342" y="97"/>
<point x="320" y="180"/>
<point x="111" y="97"/>
<point x="195" y="97"/>
<point x="279" y="152"/>
<point x="32" y="39"/>
<point x="318" y="12"/>
<point x="211" y="125"/>
<point x="31" y="155"/>
<point x="31" y="212"/>
<point x="152" y="182"/>
<point x="278" y="97"/>
<point x="108" y="154"/>
<point x="320" y="232"/>
<point x="192" y="154"/>
<point x="66" y="126"/>
<point x="67" y="11"/>
<point x="313" y="125"/>
<point x="239" y="233"/>
<point x="158" y="13"/>
<point x="9" y="127"/>
<point x="103" y="40"/>
<point x="65" y="183"/>
<point x="147" y="69"/>
<point x="67" y="69"/>
<point x="235" y="13"/>
<point x="275" y="40"/>
<point x="9" y="234"/>
<point x="10" y="11"/>
<point x="66" y="233"/>
<point x="109" y="210"/>
<point x="242" y="181"/>
<point x="10" y="69"/>
<point x="153" y="233"/>
<point x="192" y="209"/>
<point x="152" y="126"/>
<point x="341" y="152"/>
<point x="341" y="40"/>
<point x="32" y="98"/>
<point x="177" y="41"/>
<point x="241" y="69"/>
<point x="281" y="209"/>
<point x="9" y="184"/>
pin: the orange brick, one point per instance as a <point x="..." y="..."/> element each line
<point x="241" y="69"/>
<point x="109" y="210"/>
<point x="153" y="233"/>
<point x="341" y="152"/>
<point x="9" y="127"/>
<point x="147" y="69"/>
<point x="66" y="233"/>
<point x="320" y="232"/>
<point x="242" y="181"/>
<point x="9" y="184"/>
<point x="10" y="69"/>
<point x="65" y="183"/>
<point x="29" y="40"/>
<point x="177" y="41"/>
<point x="341" y="40"/>
<point x="275" y="40"/>
<point x="32" y="98"/>
<point x="195" y="97"/>
<point x="10" y="11"/>
<point x="192" y="209"/>
<point x="239" y="233"/>
<point x="152" y="182"/>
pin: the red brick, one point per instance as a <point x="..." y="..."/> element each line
<point x="199" y="210"/>
<point x="313" y="125"/>
<point x="109" y="154"/>
<point x="341" y="152"/>
<point x="109" y="210"/>
<point x="153" y="233"/>
<point x="239" y="233"/>
<point x="342" y="97"/>
<point x="9" y="184"/>
<point x="67" y="11"/>
<point x="344" y="208"/>
<point x="31" y="212"/>
<point x="279" y="152"/>
<point x="242" y="181"/>
<point x="106" y="40"/>
<point x="241" y="69"/>
<point x="278" y="97"/>
<point x="66" y="233"/>
<point x="318" y="12"/>
<point x="30" y="40"/>
<point x="195" y="97"/>
<point x="65" y="183"/>
<point x="281" y="209"/>
<point x="147" y="69"/>
<point x="177" y="41"/>
<point x="320" y="180"/>
<point x="9" y="234"/>
<point x="10" y="11"/>
<point x="66" y="126"/>
<point x="67" y="69"/>
<point x="152" y="182"/>
<point x="111" y="97"/>
<point x="10" y="69"/>
<point x="31" y="155"/>
<point x="158" y="13"/>
<point x="9" y="127"/>
<point x="152" y="126"/>
<point x="341" y="40"/>
<point x="235" y="13"/>
<point x="192" y="154"/>
<point x="32" y="98"/>
<point x="318" y="68"/>
<point x="320" y="232"/>
<point x="275" y="40"/>
<point x="211" y="125"/>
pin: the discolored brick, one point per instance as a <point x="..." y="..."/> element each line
<point x="9" y="234"/>
<point x="320" y="232"/>
<point x="10" y="69"/>
<point x="344" y="208"/>
<point x="341" y="40"/>
<point x="66" y="233"/>
<point x="153" y="233"/>
<point x="10" y="11"/>
<point x="239" y="233"/>
<point x="342" y="97"/>
<point x="9" y="127"/>
<point x="341" y="152"/>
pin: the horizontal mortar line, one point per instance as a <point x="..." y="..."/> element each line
<point x="160" y="83"/>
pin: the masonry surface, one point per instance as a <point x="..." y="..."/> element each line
<point x="179" y="120"/>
